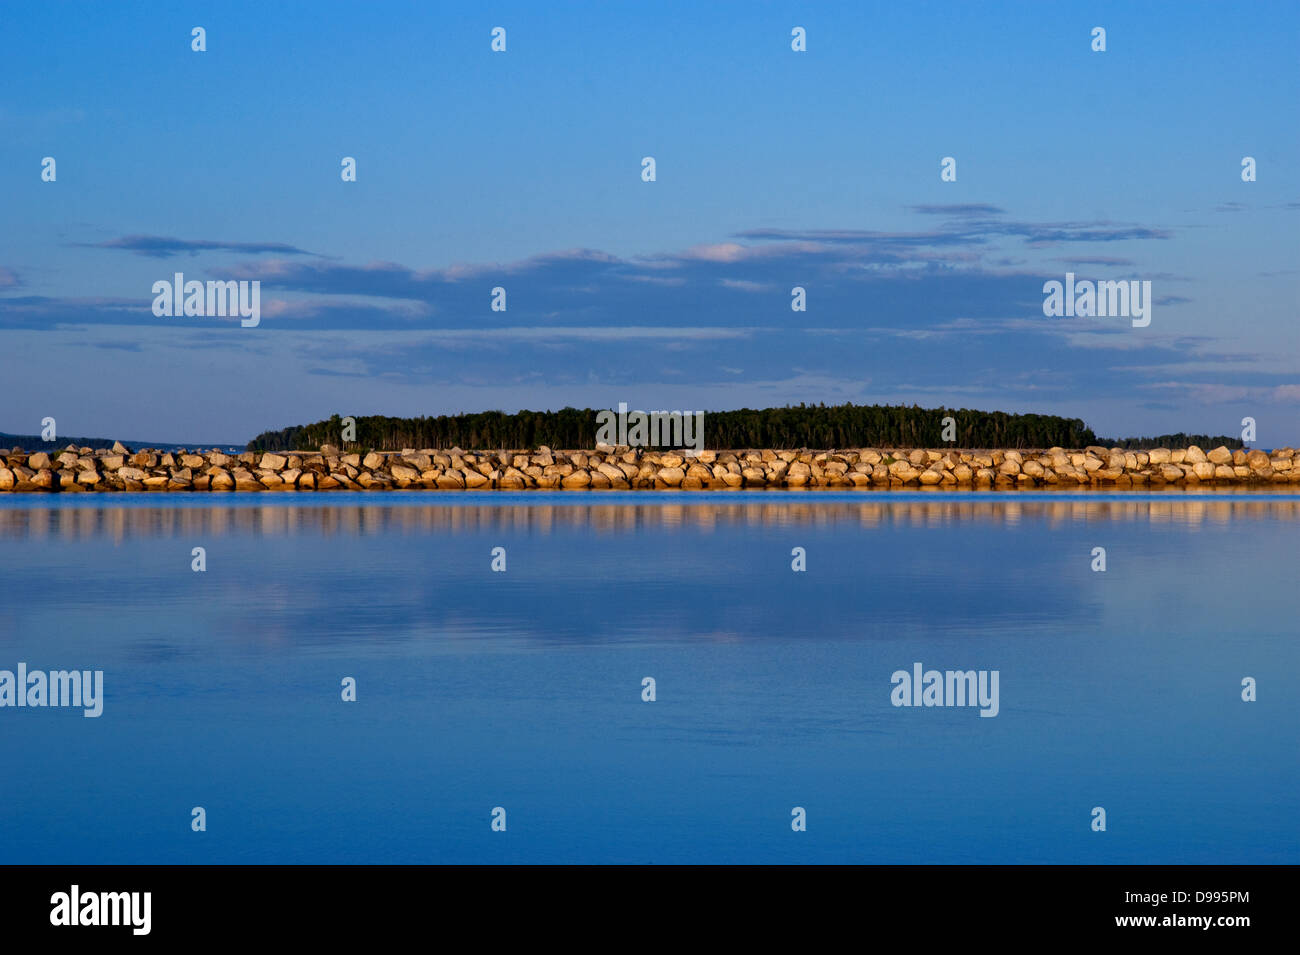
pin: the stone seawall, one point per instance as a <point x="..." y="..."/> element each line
<point x="120" y="469"/>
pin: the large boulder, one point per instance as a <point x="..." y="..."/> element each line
<point x="404" y="474"/>
<point x="671" y="476"/>
<point x="513" y="479"/>
<point x="449" y="480"/>
<point x="578" y="479"/>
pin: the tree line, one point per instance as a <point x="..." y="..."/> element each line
<point x="793" y="426"/>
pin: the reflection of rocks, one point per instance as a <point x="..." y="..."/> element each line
<point x="622" y="468"/>
<point x="343" y="518"/>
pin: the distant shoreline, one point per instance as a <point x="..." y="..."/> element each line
<point x="83" y="469"/>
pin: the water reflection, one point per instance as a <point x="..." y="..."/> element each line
<point x="524" y="687"/>
<point x="373" y="519"/>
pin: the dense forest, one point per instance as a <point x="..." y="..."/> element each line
<point x="804" y="426"/>
<point x="801" y="426"/>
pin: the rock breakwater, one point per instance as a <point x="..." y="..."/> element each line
<point x="81" y="469"/>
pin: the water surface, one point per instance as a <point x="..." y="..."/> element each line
<point x="522" y="689"/>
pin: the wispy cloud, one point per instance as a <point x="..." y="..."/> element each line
<point x="967" y="230"/>
<point x="1094" y="260"/>
<point x="959" y="209"/>
<point x="164" y="247"/>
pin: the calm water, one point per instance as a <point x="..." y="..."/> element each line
<point x="522" y="689"/>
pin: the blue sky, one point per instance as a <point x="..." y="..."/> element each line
<point x="522" y="169"/>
